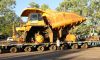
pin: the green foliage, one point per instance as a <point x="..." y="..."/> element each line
<point x="34" y="5"/>
<point x="87" y="8"/>
<point x="7" y="16"/>
<point x="44" y="7"/>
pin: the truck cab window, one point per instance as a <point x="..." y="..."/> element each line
<point x="40" y="17"/>
<point x="35" y="16"/>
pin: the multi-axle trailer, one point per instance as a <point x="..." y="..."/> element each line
<point x="14" y="47"/>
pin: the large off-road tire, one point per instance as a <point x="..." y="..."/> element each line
<point x="40" y="48"/>
<point x="13" y="50"/>
<point x="53" y="47"/>
<point x="28" y="49"/>
<point x="84" y="46"/>
<point x="74" y="46"/>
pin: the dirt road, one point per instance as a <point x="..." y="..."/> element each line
<point x="71" y="54"/>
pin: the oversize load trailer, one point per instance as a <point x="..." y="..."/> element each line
<point x="42" y="30"/>
<point x="14" y="47"/>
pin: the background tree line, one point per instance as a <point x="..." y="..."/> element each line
<point x="87" y="8"/>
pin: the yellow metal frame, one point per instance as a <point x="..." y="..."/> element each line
<point x="27" y="11"/>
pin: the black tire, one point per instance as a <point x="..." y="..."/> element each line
<point x="13" y="50"/>
<point x="28" y="49"/>
<point x="74" y="46"/>
<point x="40" y="48"/>
<point x="84" y="46"/>
<point x="53" y="47"/>
<point x="0" y="51"/>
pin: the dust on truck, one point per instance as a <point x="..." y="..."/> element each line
<point x="42" y="30"/>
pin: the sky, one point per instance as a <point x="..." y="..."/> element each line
<point x="22" y="4"/>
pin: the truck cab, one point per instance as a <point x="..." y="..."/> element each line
<point x="34" y="27"/>
<point x="35" y="19"/>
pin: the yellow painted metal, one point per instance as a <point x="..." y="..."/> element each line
<point x="70" y="38"/>
<point x="54" y="18"/>
<point x="39" y="38"/>
<point x="27" y="11"/>
<point x="20" y="28"/>
<point x="36" y="23"/>
<point x="61" y="19"/>
<point x="14" y="32"/>
<point x="29" y="24"/>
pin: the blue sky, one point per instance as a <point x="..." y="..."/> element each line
<point x="21" y="4"/>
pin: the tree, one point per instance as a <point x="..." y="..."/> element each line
<point x="87" y="8"/>
<point x="7" y="16"/>
<point x="34" y="5"/>
<point x="64" y="5"/>
<point x="44" y="7"/>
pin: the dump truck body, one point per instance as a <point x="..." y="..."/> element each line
<point x="62" y="19"/>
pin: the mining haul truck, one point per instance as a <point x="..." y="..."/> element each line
<point x="42" y="29"/>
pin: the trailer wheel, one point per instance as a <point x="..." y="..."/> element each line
<point x="62" y="47"/>
<point x="40" y="48"/>
<point x="74" y="46"/>
<point x="28" y="49"/>
<point x="13" y="49"/>
<point x="52" y="47"/>
<point x="0" y="51"/>
<point x="84" y="46"/>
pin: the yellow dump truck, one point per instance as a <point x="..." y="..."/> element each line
<point x="51" y="23"/>
<point x="43" y="28"/>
